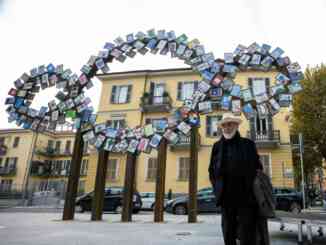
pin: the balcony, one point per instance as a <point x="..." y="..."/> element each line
<point x="51" y="152"/>
<point x="8" y="171"/>
<point x="265" y="140"/>
<point x="184" y="143"/>
<point x="40" y="169"/>
<point x="151" y="103"/>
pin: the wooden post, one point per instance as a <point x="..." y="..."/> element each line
<point x="98" y="200"/>
<point x="128" y="188"/>
<point x="193" y="176"/>
<point x="160" y="182"/>
<point x="72" y="187"/>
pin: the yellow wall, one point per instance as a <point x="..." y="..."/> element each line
<point x="131" y="112"/>
<point x="22" y="152"/>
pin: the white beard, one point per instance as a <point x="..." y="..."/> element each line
<point x="229" y="136"/>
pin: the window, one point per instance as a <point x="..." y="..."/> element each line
<point x="50" y="144"/>
<point x="16" y="142"/>
<point x="151" y="169"/>
<point x="117" y="123"/>
<point x="121" y="94"/>
<point x="259" y="86"/>
<point x="265" y="160"/>
<point x="157" y="91"/>
<point x="11" y="162"/>
<point x="84" y="167"/>
<point x="85" y="149"/>
<point x="183" y="174"/>
<point x="112" y="169"/>
<point x="211" y="126"/>
<point x="2" y="140"/>
<point x="57" y="146"/>
<point x="159" y="124"/>
<point x="6" y="185"/>
<point x="186" y="89"/>
<point x="68" y="146"/>
<point x="81" y="187"/>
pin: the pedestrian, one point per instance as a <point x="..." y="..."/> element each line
<point x="232" y="170"/>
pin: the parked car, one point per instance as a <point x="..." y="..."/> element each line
<point x="206" y="202"/>
<point x="113" y="200"/>
<point x="148" y="200"/>
<point x="288" y="199"/>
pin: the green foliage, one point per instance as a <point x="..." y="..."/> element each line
<point x="309" y="118"/>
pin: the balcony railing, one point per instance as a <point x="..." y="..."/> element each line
<point x="266" y="139"/>
<point x="52" y="152"/>
<point x="184" y="143"/>
<point x="156" y="103"/>
<point x="40" y="169"/>
<point x="8" y="171"/>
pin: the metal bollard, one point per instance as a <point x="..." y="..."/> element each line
<point x="300" y="233"/>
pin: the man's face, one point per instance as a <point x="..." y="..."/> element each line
<point x="229" y="128"/>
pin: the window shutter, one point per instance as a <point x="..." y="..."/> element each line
<point x="151" y="92"/>
<point x="129" y="93"/>
<point x="268" y="84"/>
<point x="270" y="126"/>
<point x="113" y="92"/>
<point x="123" y="123"/>
<point x="151" y="88"/>
<point x="252" y="128"/>
<point x="250" y="83"/>
<point x="179" y="95"/>
<point x="208" y="125"/>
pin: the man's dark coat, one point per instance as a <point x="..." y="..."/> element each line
<point x="250" y="159"/>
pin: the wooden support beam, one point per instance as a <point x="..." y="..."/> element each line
<point x="160" y="182"/>
<point x="193" y="176"/>
<point x="128" y="191"/>
<point x="72" y="187"/>
<point x="98" y="200"/>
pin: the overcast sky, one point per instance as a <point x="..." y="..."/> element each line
<point x="37" y="32"/>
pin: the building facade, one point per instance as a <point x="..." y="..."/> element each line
<point x="37" y="161"/>
<point x="139" y="97"/>
<point x="41" y="161"/>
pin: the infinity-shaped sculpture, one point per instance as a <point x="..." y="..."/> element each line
<point x="217" y="81"/>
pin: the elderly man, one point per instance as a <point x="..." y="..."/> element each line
<point x="233" y="165"/>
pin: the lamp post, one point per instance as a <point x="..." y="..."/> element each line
<point x="302" y="172"/>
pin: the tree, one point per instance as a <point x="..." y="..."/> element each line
<point x="309" y="118"/>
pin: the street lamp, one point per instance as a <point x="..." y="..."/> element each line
<point x="302" y="172"/>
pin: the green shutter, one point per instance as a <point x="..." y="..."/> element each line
<point x="113" y="92"/>
<point x="179" y="90"/>
<point x="208" y="126"/>
<point x="270" y="126"/>
<point x="129" y="93"/>
<point x="267" y="84"/>
<point x="250" y="83"/>
<point x="252" y="128"/>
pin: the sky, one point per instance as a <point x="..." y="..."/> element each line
<point x="37" y="32"/>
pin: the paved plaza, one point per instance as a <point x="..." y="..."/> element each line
<point x="39" y="228"/>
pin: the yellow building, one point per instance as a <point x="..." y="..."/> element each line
<point x="138" y="97"/>
<point x="39" y="160"/>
